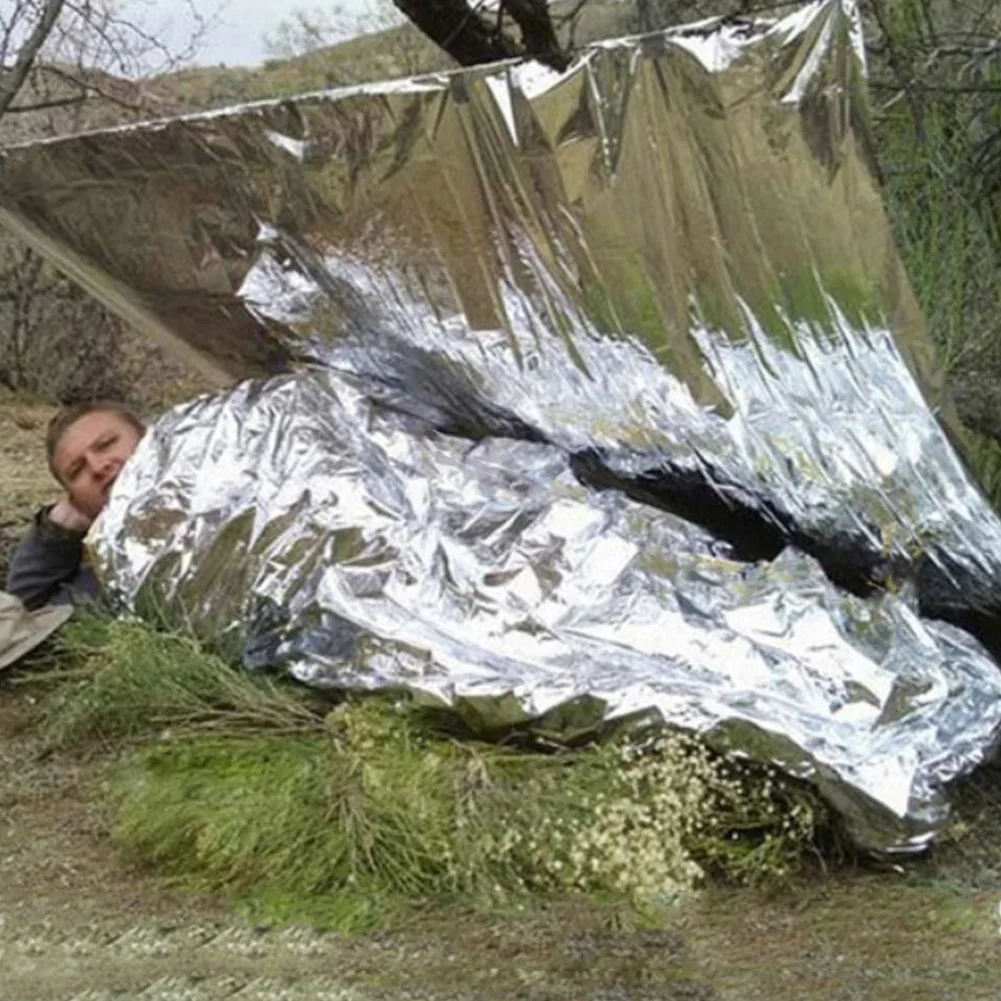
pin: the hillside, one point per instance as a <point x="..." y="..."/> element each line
<point x="396" y="52"/>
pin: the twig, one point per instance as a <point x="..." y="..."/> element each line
<point x="898" y="67"/>
<point x="571" y="15"/>
<point x="91" y="88"/>
<point x="943" y="88"/>
<point x="29" y="51"/>
<point x="46" y="105"/>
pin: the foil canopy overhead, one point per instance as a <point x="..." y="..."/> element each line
<point x="669" y="266"/>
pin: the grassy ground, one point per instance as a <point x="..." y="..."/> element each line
<point x="76" y="916"/>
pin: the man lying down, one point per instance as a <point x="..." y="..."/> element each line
<point x="357" y="548"/>
<point x="87" y="445"/>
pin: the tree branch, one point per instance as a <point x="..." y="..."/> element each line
<point x="537" y="32"/>
<point x="932" y="88"/>
<point x="458" y="27"/>
<point x="92" y="88"/>
<point x="63" y="102"/>
<point x="462" y="32"/>
<point x="898" y="65"/>
<point x="26" y="57"/>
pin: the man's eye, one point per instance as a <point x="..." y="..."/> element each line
<point x="105" y="443"/>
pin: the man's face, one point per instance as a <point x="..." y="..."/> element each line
<point x="90" y="455"/>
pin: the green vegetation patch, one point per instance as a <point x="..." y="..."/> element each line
<point x="351" y="815"/>
<point x="126" y="681"/>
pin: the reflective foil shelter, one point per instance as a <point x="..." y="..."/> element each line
<point x="665" y="273"/>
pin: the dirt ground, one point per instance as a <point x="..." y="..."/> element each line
<point x="76" y="923"/>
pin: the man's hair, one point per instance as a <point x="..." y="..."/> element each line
<point x="68" y="416"/>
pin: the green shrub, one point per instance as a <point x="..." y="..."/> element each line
<point x="347" y="816"/>
<point x="126" y="680"/>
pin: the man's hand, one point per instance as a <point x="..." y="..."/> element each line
<point x="66" y="516"/>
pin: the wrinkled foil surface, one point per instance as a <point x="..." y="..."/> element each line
<point x="667" y="271"/>
<point x="360" y="549"/>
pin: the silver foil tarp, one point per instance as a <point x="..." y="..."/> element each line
<point x="673" y="259"/>
<point x="360" y="549"/>
<point x="670" y="263"/>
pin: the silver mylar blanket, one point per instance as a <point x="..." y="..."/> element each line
<point x="360" y="549"/>
<point x="668" y="270"/>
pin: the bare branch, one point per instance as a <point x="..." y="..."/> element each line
<point x="571" y="18"/>
<point x="90" y="87"/>
<point x="8" y="23"/>
<point x="29" y="51"/>
<point x="537" y="32"/>
<point x="571" y="15"/>
<point x="64" y="102"/>
<point x="461" y="31"/>
<point x="898" y="64"/>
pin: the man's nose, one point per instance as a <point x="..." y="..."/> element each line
<point x="100" y="465"/>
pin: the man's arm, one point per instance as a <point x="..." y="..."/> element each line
<point x="47" y="567"/>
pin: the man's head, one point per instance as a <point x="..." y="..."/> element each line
<point x="87" y="445"/>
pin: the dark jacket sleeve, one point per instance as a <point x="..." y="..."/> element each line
<point x="47" y="567"/>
